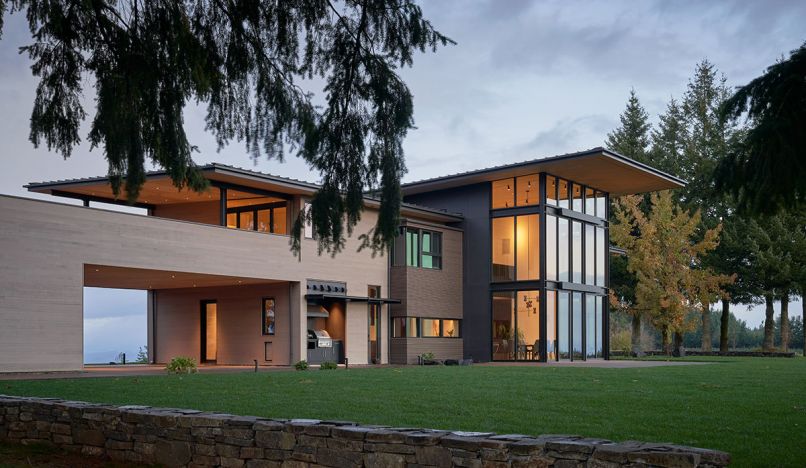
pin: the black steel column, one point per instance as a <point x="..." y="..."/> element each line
<point x="222" y="198"/>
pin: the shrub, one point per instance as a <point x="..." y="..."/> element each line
<point x="328" y="365"/>
<point x="181" y="365"/>
<point x="621" y="341"/>
<point x="429" y="356"/>
<point x="301" y="365"/>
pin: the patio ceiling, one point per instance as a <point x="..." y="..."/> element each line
<point x="102" y="276"/>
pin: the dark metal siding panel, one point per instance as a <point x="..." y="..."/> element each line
<point x="473" y="202"/>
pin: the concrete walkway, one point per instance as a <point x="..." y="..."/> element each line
<point x="132" y="370"/>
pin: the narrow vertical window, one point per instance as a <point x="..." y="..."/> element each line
<point x="576" y="325"/>
<point x="551" y="190"/>
<point x="576" y="255"/>
<point x="576" y="194"/>
<point x="599" y="326"/>
<point x="601" y="205"/>
<point x="590" y="255"/>
<point x="590" y="201"/>
<point x="528" y="247"/>
<point x="412" y="248"/>
<point x="563" y="193"/>
<point x="562" y="249"/>
<point x="551" y="247"/>
<point x="590" y="326"/>
<point x="563" y="325"/>
<point x="268" y="316"/>
<point x="600" y="256"/>
<point x="551" y="325"/>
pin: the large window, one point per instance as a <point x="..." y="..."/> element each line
<point x="575" y="251"/>
<point x="579" y="325"/>
<point x="418" y="248"/>
<point x="516" y="248"/>
<point x="413" y="327"/>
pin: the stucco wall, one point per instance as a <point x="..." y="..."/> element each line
<point x="240" y="337"/>
<point x="44" y="245"/>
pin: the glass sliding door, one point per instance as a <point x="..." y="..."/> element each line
<point x="503" y="325"/>
<point x="527" y="324"/>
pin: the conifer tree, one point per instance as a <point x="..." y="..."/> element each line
<point x="631" y="139"/>
<point x="246" y="62"/>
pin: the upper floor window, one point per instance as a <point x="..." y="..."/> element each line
<point x="516" y="248"/>
<point x="418" y="248"/>
<point x="308" y="224"/>
<point x="516" y="191"/>
<point x="256" y="213"/>
<point x="575" y="197"/>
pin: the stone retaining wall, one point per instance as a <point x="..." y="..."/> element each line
<point x="696" y="352"/>
<point x="178" y="437"/>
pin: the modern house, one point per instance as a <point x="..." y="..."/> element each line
<point x="508" y="263"/>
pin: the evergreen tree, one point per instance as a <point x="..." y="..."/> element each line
<point x="246" y="62"/>
<point x="669" y="140"/>
<point x="631" y="139"/>
<point x="767" y="171"/>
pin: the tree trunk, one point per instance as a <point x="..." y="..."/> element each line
<point x="636" y="336"/>
<point x="666" y="343"/>
<point x="723" y="326"/>
<point x="679" y="350"/>
<point x="785" y="323"/>
<point x="769" y="325"/>
<point x="707" y="338"/>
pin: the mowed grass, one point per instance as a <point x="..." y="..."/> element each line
<point x="754" y="408"/>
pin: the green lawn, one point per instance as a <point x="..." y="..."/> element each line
<point x="754" y="408"/>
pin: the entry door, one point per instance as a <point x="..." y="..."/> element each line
<point x="209" y="331"/>
<point x="374" y="325"/>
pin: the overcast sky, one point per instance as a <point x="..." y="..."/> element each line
<point x="525" y="80"/>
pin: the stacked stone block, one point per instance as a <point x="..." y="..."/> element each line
<point x="180" y="437"/>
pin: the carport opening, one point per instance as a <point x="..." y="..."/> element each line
<point x="115" y="326"/>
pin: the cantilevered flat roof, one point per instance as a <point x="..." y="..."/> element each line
<point x="159" y="190"/>
<point x="599" y="168"/>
